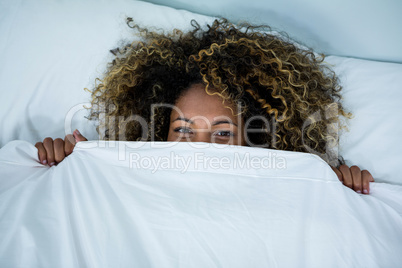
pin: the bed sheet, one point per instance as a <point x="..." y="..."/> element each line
<point x="141" y="204"/>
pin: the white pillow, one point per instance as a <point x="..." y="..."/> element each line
<point x="51" y="51"/>
<point x="373" y="94"/>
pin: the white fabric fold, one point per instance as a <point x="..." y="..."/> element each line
<point x="142" y="204"/>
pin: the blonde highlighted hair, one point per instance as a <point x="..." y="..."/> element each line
<point x="265" y="74"/>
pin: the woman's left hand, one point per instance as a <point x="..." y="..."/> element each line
<point x="354" y="178"/>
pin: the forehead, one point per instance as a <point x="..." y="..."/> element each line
<point x="195" y="102"/>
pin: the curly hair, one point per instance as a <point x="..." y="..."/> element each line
<point x="266" y="74"/>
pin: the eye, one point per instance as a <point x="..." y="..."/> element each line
<point x="224" y="133"/>
<point x="183" y="130"/>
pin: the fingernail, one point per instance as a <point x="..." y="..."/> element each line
<point x="44" y="162"/>
<point x="52" y="164"/>
<point x="365" y="191"/>
<point x="358" y="191"/>
<point x="77" y="132"/>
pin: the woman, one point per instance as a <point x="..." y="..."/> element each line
<point x="224" y="83"/>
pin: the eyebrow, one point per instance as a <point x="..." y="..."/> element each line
<point x="213" y="124"/>
<point x="223" y="122"/>
<point x="184" y="119"/>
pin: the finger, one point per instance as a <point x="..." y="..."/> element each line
<point x="78" y="137"/>
<point x="347" y="176"/>
<point x="58" y="146"/>
<point x="69" y="143"/>
<point x="357" y="179"/>
<point x="338" y="173"/>
<point x="371" y="177"/>
<point x="41" y="153"/>
<point x="366" y="179"/>
<point x="48" y="144"/>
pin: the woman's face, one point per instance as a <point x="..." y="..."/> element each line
<point x="199" y="117"/>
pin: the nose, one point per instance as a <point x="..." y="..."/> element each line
<point x="202" y="136"/>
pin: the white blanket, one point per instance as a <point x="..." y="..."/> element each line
<point x="173" y="205"/>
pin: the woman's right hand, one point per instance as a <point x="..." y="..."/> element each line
<point x="53" y="152"/>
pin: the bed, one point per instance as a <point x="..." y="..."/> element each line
<point x="128" y="204"/>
